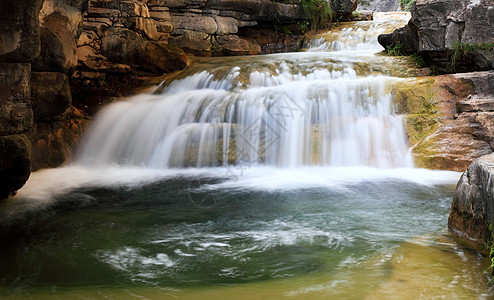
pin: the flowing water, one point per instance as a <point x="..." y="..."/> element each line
<point x="277" y="176"/>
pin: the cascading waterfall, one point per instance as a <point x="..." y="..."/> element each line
<point x="290" y="111"/>
<point x="151" y="208"/>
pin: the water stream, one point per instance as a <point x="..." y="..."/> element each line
<point x="277" y="176"/>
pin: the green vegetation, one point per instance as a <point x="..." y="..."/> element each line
<point x="406" y="5"/>
<point x="463" y="50"/>
<point x="395" y="50"/>
<point x="419" y="60"/>
<point x="318" y="13"/>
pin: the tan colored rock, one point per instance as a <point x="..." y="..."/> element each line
<point x="160" y="15"/>
<point x="126" y="47"/>
<point x="226" y="25"/>
<point x="54" y="142"/>
<point x="148" y="27"/>
<point x="193" y="22"/>
<point x="233" y="45"/>
<point x="194" y="42"/>
<point x="164" y="27"/>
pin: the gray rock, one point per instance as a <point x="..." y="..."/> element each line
<point x="437" y="25"/>
<point x="472" y="211"/>
<point x="380" y="5"/>
<point x="226" y="25"/>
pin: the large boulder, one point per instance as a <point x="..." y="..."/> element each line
<point x="61" y="26"/>
<point x="127" y="47"/>
<point x="439" y="28"/>
<point x="472" y="211"/>
<point x="19" y="30"/>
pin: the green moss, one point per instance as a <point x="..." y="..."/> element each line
<point x="406" y="5"/>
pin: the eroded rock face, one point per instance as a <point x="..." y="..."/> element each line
<point x="449" y="119"/>
<point x="472" y="211"/>
<point x="16" y="117"/>
<point x="19" y="28"/>
<point x="50" y="94"/>
<point x="437" y="25"/>
<point x="125" y="46"/>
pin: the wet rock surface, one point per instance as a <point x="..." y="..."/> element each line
<point x="472" y="210"/>
<point x="449" y="118"/>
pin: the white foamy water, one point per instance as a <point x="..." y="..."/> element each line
<point x="289" y="112"/>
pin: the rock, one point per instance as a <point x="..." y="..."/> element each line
<point x="61" y="26"/>
<point x="125" y="46"/>
<point x="380" y="6"/>
<point x="71" y="11"/>
<point x="259" y="10"/>
<point x="344" y="8"/>
<point x="406" y="37"/>
<point x="19" y="29"/>
<point x="58" y="49"/>
<point x="15" y="163"/>
<point x="50" y="94"/>
<point x="233" y="45"/>
<point x="195" y="42"/>
<point x="16" y="114"/>
<point x="193" y="22"/>
<point x="447" y="118"/>
<point x="472" y="211"/>
<point x="437" y="27"/>
<point x="476" y="104"/>
<point x="53" y="142"/>
<point x="226" y="25"/>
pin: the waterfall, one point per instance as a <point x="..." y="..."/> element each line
<point x="312" y="108"/>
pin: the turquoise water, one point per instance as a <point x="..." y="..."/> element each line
<point x="187" y="231"/>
